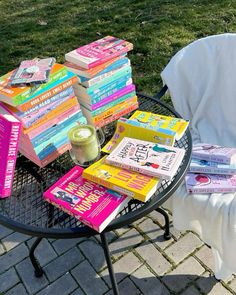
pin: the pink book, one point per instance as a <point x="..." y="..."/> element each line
<point x="146" y="157"/>
<point x="98" y="52"/>
<point x="210" y="183"/>
<point x="94" y="205"/>
<point x="10" y="129"/>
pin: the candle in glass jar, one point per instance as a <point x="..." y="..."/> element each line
<point x="84" y="144"/>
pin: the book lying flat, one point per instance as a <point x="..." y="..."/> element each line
<point x="147" y="157"/>
<point x="210" y="183"/>
<point x="89" y="202"/>
<point x="203" y="166"/>
<point x="214" y="153"/>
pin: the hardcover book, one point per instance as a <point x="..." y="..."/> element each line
<point x="160" y="122"/>
<point x="10" y="129"/>
<point x="35" y="71"/>
<point x="203" y="166"/>
<point x="98" y="52"/>
<point x="89" y="202"/>
<point x="133" y="184"/>
<point x="210" y="183"/>
<point x="214" y="153"/>
<point x="147" y="157"/>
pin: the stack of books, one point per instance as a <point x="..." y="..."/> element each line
<point x="212" y="169"/>
<point x="47" y="111"/>
<point x="105" y="89"/>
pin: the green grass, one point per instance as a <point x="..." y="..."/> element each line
<point x="157" y="28"/>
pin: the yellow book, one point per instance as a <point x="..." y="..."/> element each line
<point x="133" y="184"/>
<point x="157" y="122"/>
<point x="125" y="129"/>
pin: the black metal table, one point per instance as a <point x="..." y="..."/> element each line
<point x="26" y="211"/>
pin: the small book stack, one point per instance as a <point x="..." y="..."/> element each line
<point x="46" y="110"/>
<point x="105" y="89"/>
<point x="212" y="169"/>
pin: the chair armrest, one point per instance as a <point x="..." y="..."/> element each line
<point x="161" y="92"/>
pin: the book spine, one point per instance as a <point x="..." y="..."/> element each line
<point x="212" y="170"/>
<point x="9" y="147"/>
<point x="213" y="158"/>
<point x="211" y="190"/>
<point x="50" y="149"/>
<point x="47" y="94"/>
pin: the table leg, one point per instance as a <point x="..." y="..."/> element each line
<point x="167" y="235"/>
<point x="109" y="264"/>
<point x="37" y="268"/>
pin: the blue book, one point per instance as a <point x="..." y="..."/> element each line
<point x="50" y="148"/>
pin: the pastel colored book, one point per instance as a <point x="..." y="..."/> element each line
<point x="147" y="157"/>
<point x="10" y="129"/>
<point x="210" y="183"/>
<point x="158" y="122"/>
<point x="17" y="95"/>
<point x="123" y="91"/>
<point x="90" y="73"/>
<point x="98" y="52"/>
<point x="105" y="77"/>
<point x="203" y="166"/>
<point x="214" y="153"/>
<point x="133" y="184"/>
<point x="111" y="104"/>
<point x="125" y="129"/>
<point x="35" y="71"/>
<point x="104" y="91"/>
<point x="88" y="202"/>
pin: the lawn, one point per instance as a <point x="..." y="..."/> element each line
<point x="157" y="28"/>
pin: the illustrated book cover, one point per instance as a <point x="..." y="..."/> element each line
<point x="210" y="183"/>
<point x="98" y="52"/>
<point x="10" y="129"/>
<point x="160" y="122"/>
<point x="136" y="185"/>
<point x="147" y="157"/>
<point x="89" y="202"/>
<point x="203" y="166"/>
<point x="214" y="153"/>
<point x="35" y="71"/>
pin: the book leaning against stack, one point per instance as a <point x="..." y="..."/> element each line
<point x="212" y="169"/>
<point x="105" y="89"/>
<point x="46" y="110"/>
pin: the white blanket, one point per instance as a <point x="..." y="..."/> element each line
<point x="201" y="79"/>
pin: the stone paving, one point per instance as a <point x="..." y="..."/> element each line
<point x="144" y="263"/>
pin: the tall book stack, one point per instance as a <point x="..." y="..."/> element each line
<point x="105" y="89"/>
<point x="47" y="111"/>
<point x="212" y="169"/>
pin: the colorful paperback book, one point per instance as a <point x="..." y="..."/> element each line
<point x="147" y="157"/>
<point x="125" y="129"/>
<point x="210" y="183"/>
<point x="133" y="184"/>
<point x="89" y="202"/>
<point x="34" y="71"/>
<point x="203" y="166"/>
<point x="214" y="153"/>
<point x="159" y="122"/>
<point x="98" y="52"/>
<point x="10" y="129"/>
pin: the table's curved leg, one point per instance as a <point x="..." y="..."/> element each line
<point x="38" y="271"/>
<point x="167" y="235"/>
<point x="109" y="264"/>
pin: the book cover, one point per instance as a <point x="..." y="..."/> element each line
<point x="159" y="122"/>
<point x="125" y="129"/>
<point x="214" y="153"/>
<point x="133" y="184"/>
<point x="203" y="166"/>
<point x="210" y="183"/>
<point x="10" y="129"/>
<point x="89" y="202"/>
<point x="98" y="52"/>
<point x="147" y="157"/>
<point x="35" y="71"/>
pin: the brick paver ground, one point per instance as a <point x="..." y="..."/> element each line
<point x="145" y="264"/>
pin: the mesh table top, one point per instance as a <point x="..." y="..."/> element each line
<point x="26" y="211"/>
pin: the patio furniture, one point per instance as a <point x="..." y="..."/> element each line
<point x="201" y="80"/>
<point x="26" y="211"/>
